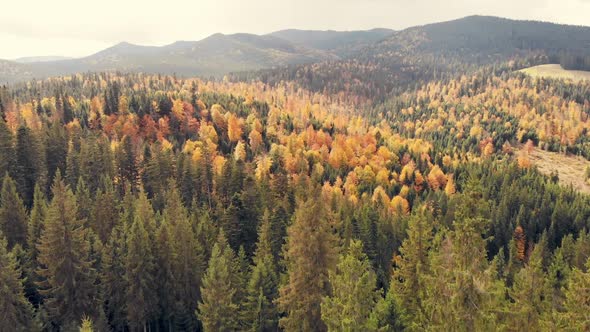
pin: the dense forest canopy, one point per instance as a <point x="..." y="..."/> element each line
<point x="136" y="202"/>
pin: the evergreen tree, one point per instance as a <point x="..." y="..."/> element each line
<point x="30" y="164"/>
<point x="353" y="297"/>
<point x="577" y="303"/>
<point x="529" y="294"/>
<point x="113" y="280"/>
<point x="34" y="231"/>
<point x="261" y="313"/>
<point x="141" y="297"/>
<point x="17" y="312"/>
<point x="218" y="309"/>
<point x="309" y="255"/>
<point x="413" y="265"/>
<point x="7" y="153"/>
<point x="13" y="216"/>
<point x="68" y="284"/>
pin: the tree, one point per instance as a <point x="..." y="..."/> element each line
<point x="218" y="309"/>
<point x="188" y="261"/>
<point x="529" y="294"/>
<point x="353" y="296"/>
<point x="17" y="312"/>
<point x="413" y="265"/>
<point x="112" y="278"/>
<point x="30" y="164"/>
<point x="261" y="312"/>
<point x="141" y="298"/>
<point x="577" y="303"/>
<point x="309" y="256"/>
<point x="13" y="216"/>
<point x="68" y="284"/>
<point x="7" y="153"/>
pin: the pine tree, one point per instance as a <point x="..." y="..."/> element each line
<point x="141" y="297"/>
<point x="13" y="216"/>
<point x="7" y="153"/>
<point x="188" y="265"/>
<point x="388" y="314"/>
<point x="30" y="164"/>
<point x="68" y="284"/>
<point x="261" y="313"/>
<point x="577" y="301"/>
<point x="529" y="294"/>
<point x="17" y="313"/>
<point x="353" y="296"/>
<point x="104" y="214"/>
<point x="113" y="278"/>
<point x="309" y="256"/>
<point x="409" y="276"/>
<point x="218" y="309"/>
<point x="34" y="231"/>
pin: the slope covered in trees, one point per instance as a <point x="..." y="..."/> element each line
<point x="138" y="202"/>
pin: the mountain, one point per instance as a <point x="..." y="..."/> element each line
<point x="419" y="54"/>
<point x="339" y="42"/>
<point x="213" y="56"/>
<point x="375" y="59"/>
<point x="32" y="59"/>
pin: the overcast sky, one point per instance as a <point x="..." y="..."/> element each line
<point x="79" y="28"/>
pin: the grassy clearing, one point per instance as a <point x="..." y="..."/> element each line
<point x="571" y="169"/>
<point x="555" y="71"/>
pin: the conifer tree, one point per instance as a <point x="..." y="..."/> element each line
<point x="35" y="228"/>
<point x="309" y="256"/>
<point x="413" y="265"/>
<point x="30" y="164"/>
<point x="353" y="297"/>
<point x="188" y="266"/>
<point x="261" y="313"/>
<point x="577" y="303"/>
<point x="7" y="153"/>
<point x="529" y="294"/>
<point x="112" y="278"/>
<point x="17" y="312"/>
<point x="218" y="310"/>
<point x="13" y="216"/>
<point x="68" y="284"/>
<point x="141" y="297"/>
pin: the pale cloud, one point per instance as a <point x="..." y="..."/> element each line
<point x="78" y="28"/>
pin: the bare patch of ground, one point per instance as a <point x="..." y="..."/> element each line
<point x="555" y="71"/>
<point x="571" y="169"/>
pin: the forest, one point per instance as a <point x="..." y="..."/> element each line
<point x="137" y="202"/>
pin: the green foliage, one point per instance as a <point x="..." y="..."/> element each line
<point x="353" y="296"/>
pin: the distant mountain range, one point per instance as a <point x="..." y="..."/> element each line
<point x="213" y="56"/>
<point x="472" y="40"/>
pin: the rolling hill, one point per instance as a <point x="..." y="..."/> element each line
<point x="213" y="56"/>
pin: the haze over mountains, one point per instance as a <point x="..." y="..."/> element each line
<point x="474" y="39"/>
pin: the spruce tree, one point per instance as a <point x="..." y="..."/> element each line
<point x="112" y="278"/>
<point x="217" y="309"/>
<point x="7" y="153"/>
<point x="309" y="256"/>
<point x="261" y="313"/>
<point x="13" y="216"/>
<point x="141" y="297"/>
<point x="353" y="297"/>
<point x="68" y="284"/>
<point x="17" y="312"/>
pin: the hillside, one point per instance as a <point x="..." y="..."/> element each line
<point x="419" y="54"/>
<point x="339" y="42"/>
<point x="213" y="56"/>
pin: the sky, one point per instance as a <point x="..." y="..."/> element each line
<point x="78" y="28"/>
